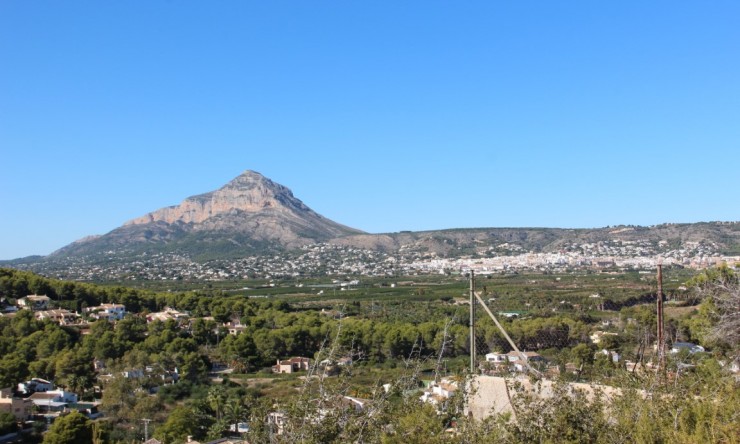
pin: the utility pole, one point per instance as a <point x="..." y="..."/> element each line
<point x="661" y="331"/>
<point x="146" y="429"/>
<point x="472" y="323"/>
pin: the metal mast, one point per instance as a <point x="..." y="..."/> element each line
<point x="146" y="429"/>
<point x="472" y="323"/>
<point x="661" y="331"/>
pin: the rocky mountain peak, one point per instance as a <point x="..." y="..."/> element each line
<point x="250" y="213"/>
<point x="251" y="179"/>
<point x="250" y="192"/>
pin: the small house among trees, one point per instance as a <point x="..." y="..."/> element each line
<point x="34" y="302"/>
<point x="34" y="385"/>
<point x="291" y="365"/>
<point x="111" y="312"/>
<point x="60" y="316"/>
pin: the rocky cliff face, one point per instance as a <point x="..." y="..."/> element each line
<point x="247" y="214"/>
<point x="251" y="192"/>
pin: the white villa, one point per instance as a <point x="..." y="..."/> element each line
<point x="34" y="302"/>
<point x="111" y="312"/>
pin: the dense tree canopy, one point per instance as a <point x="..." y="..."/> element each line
<point x="73" y="428"/>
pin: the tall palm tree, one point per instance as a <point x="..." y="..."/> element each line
<point x="234" y="410"/>
<point x="216" y="399"/>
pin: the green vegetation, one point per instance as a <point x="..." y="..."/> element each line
<point x="72" y="428"/>
<point x="399" y="331"/>
<point x="7" y="423"/>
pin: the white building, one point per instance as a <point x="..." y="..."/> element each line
<point x="34" y="302"/>
<point x="111" y="312"/>
<point x="438" y="392"/>
<point x="34" y="385"/>
<point x="53" y="400"/>
<point x="497" y="358"/>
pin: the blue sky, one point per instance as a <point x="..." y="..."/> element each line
<point x="381" y="115"/>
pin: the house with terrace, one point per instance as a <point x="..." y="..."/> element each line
<point x="34" y="302"/>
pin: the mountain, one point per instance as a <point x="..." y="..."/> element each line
<point x="254" y="217"/>
<point x="248" y="215"/>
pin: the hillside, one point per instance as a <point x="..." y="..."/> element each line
<point x="721" y="237"/>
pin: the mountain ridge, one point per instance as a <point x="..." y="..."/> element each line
<point x="461" y="241"/>
<point x="252" y="215"/>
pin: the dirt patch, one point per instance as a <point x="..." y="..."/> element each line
<point x="677" y="312"/>
<point x="253" y="382"/>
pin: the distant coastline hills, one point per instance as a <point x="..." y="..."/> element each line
<point x="252" y="215"/>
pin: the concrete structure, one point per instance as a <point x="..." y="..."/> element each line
<point x="492" y="395"/>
